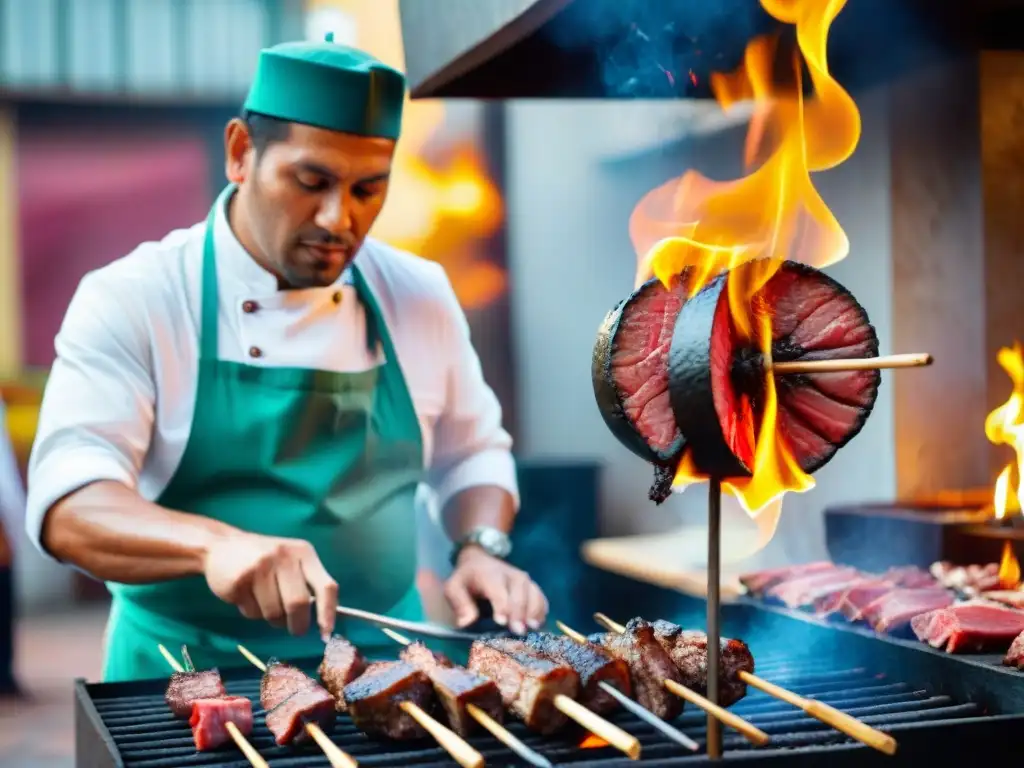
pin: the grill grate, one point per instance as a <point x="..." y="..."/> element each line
<point x="129" y="725"/>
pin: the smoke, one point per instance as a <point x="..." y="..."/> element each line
<point x="658" y="48"/>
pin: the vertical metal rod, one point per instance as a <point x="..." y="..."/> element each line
<point x="714" y="606"/>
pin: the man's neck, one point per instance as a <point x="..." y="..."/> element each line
<point x="239" y="225"/>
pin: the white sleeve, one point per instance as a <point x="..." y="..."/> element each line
<point x="12" y="494"/>
<point x="96" y="418"/>
<point x="471" y="447"/>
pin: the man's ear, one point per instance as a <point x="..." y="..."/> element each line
<point x="238" y="151"/>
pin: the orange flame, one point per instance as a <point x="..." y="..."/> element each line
<point x="1009" y="568"/>
<point x="772" y="214"/>
<point x="593" y="742"/>
<point x="1005" y="426"/>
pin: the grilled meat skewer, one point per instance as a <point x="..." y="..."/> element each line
<point x="342" y="663"/>
<point x="375" y="698"/>
<point x="455" y="687"/>
<point x="292" y="700"/>
<point x="528" y="681"/>
<point x="689" y="652"/>
<point x="185" y="688"/>
<point x="592" y="663"/>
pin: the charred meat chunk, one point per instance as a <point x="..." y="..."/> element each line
<point x="528" y="681"/>
<point x="375" y="700"/>
<point x="342" y="663"/>
<point x="185" y="687"/>
<point x="210" y="718"/>
<point x="629" y="373"/>
<point x="592" y="663"/>
<point x="455" y="687"/>
<point x="291" y="698"/>
<point x="649" y="667"/>
<point x="689" y="651"/>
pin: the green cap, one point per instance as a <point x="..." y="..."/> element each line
<point x="330" y="86"/>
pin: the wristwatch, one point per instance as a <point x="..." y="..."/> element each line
<point x="493" y="541"/>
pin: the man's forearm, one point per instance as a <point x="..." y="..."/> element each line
<point x="488" y="505"/>
<point x="110" y="532"/>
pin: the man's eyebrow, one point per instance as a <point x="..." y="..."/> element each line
<point x="375" y="178"/>
<point x="318" y="169"/>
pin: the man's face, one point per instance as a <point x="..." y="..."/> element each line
<point x="310" y="199"/>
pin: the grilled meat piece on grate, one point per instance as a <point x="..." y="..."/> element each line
<point x="689" y="652"/>
<point x="185" y="687"/>
<point x="374" y="700"/>
<point x="592" y="663"/>
<point x="342" y="663"/>
<point x="455" y="687"/>
<point x="210" y="718"/>
<point x="291" y="699"/>
<point x="528" y="680"/>
<point x="649" y="667"/>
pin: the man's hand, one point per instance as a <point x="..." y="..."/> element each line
<point x="272" y="578"/>
<point x="515" y="600"/>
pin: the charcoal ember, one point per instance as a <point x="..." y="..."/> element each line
<point x="716" y="380"/>
<point x="375" y="699"/>
<point x="292" y="699"/>
<point x="630" y="377"/>
<point x="689" y="652"/>
<point x="185" y="688"/>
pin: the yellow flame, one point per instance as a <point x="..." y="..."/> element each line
<point x="771" y="215"/>
<point x="1005" y="426"/>
<point x="1009" y="568"/>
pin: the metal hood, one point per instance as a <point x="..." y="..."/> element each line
<point x="665" y="49"/>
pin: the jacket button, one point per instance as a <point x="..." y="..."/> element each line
<point x="336" y="298"/>
<point x="255" y="352"/>
<point x="249" y="307"/>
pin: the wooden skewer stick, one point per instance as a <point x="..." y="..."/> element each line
<point x="627" y="703"/>
<point x="247" y="749"/>
<point x="751" y="732"/>
<point x="597" y="725"/>
<point x="496" y="729"/>
<point x="335" y="755"/>
<point x="911" y="360"/>
<point x="839" y="720"/>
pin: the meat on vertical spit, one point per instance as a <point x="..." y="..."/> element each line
<point x="689" y="652"/>
<point x="528" y="681"/>
<point x="455" y="687"/>
<point x="342" y="663"/>
<point x="292" y="699"/>
<point x="186" y="687"/>
<point x="649" y="666"/>
<point x="374" y="700"/>
<point x="592" y="663"/>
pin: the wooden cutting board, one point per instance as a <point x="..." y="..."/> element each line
<point x="654" y="559"/>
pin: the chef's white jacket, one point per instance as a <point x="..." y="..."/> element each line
<point x="119" y="401"/>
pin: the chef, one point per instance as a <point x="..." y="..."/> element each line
<point x="239" y="415"/>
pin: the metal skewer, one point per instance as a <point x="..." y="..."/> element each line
<point x="714" y="611"/>
<point x="626" y="743"/>
<point x="633" y="707"/>
<point x="247" y="749"/>
<point x="335" y="755"/>
<point x="499" y="731"/>
<point x="838" y="719"/>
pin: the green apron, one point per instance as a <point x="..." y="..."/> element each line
<point x="332" y="458"/>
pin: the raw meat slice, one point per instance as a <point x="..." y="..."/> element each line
<point x="716" y="378"/>
<point x="630" y="377"/>
<point x="967" y="578"/>
<point x="969" y="628"/>
<point x="210" y="718"/>
<point x="759" y="582"/>
<point x="910" y="576"/>
<point x="805" y="589"/>
<point x="897" y="607"/>
<point x="832" y="602"/>
<point x="1011" y="598"/>
<point x="858" y="598"/>
<point x="1015" y="656"/>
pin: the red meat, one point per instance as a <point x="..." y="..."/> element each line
<point x="969" y="628"/>
<point x="210" y="718"/>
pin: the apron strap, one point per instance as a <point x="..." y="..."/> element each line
<point x="208" y="328"/>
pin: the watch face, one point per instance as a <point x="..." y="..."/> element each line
<point x="494" y="542"/>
